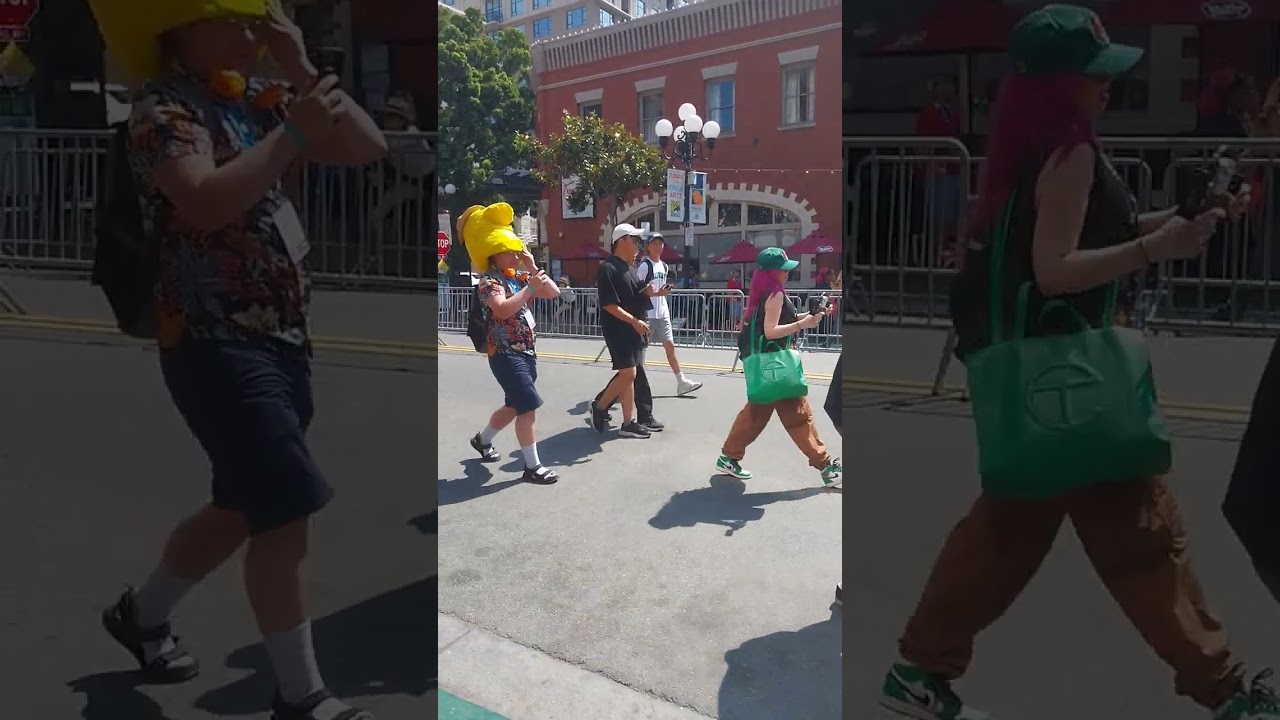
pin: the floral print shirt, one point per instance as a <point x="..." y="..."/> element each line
<point x="513" y="335"/>
<point x="236" y="282"/>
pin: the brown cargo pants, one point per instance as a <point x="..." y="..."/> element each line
<point x="1134" y="536"/>
<point x="796" y="417"/>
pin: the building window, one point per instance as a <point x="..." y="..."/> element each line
<point x="493" y="10"/>
<point x="797" y="95"/>
<point x="448" y="2"/>
<point x="591" y="109"/>
<point x="606" y="18"/>
<point x="542" y="27"/>
<point x="539" y="4"/>
<point x="517" y="7"/>
<point x="720" y="98"/>
<point x="575" y="18"/>
<point x="728" y="214"/>
<point x="524" y="30"/>
<point x="375" y="74"/>
<point x="650" y="114"/>
<point x="639" y="8"/>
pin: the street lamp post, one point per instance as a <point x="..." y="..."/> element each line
<point x="689" y="146"/>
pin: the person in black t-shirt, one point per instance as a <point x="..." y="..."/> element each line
<point x="625" y="301"/>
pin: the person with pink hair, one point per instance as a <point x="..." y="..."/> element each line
<point x="1070" y="229"/>
<point x="769" y="316"/>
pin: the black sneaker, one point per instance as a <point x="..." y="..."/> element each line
<point x="539" y="476"/>
<point x="839" y="595"/>
<point x="598" y="420"/>
<point x="313" y="705"/>
<point x="634" y="429"/>
<point x="487" y="453"/>
<point x="652" y="425"/>
<point x="173" y="666"/>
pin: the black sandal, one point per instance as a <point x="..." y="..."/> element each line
<point x="173" y="666"/>
<point x="306" y="709"/>
<point x="540" y="475"/>
<point x="487" y="453"/>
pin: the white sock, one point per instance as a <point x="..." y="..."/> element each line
<point x="293" y="658"/>
<point x="154" y="602"/>
<point x="530" y="453"/>
<point x="488" y="434"/>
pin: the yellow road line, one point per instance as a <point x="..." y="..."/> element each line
<point x="369" y="346"/>
<point x="363" y="346"/>
<point x="657" y="362"/>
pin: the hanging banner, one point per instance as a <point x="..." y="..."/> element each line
<point x="675" y="196"/>
<point x="698" y="199"/>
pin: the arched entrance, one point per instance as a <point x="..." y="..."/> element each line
<point x="762" y="215"/>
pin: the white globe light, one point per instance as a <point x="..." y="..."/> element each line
<point x="711" y="130"/>
<point x="663" y="128"/>
<point x="686" y="110"/>
<point x="693" y="124"/>
<point x="680" y="134"/>
<point x="450" y="189"/>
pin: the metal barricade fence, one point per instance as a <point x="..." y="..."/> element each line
<point x="369" y="226"/>
<point x="893" y="229"/>
<point x="703" y="318"/>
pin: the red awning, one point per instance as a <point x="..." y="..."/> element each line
<point x="1189" y="12"/>
<point x="743" y="252"/>
<point x="589" y="251"/>
<point x="815" y="244"/>
<point x="669" y="254"/>
<point x="955" y="26"/>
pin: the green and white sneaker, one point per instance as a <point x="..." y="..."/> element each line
<point x="915" y="693"/>
<point x="728" y="466"/>
<point x="833" y="475"/>
<point x="1258" y="702"/>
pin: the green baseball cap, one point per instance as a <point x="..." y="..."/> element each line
<point x="775" y="258"/>
<point x="1068" y="40"/>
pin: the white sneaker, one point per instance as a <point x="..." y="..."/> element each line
<point x="684" y="387"/>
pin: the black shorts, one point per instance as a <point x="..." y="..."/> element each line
<point x="517" y="373"/>
<point x="626" y="348"/>
<point x="249" y="405"/>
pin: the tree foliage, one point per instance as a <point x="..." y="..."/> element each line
<point x="485" y="102"/>
<point x="608" y="160"/>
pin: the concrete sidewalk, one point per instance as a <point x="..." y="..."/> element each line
<point x="487" y="677"/>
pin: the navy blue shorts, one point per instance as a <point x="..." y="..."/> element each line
<point x="249" y="405"/>
<point x="517" y="373"/>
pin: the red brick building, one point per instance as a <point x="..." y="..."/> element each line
<point x="767" y="70"/>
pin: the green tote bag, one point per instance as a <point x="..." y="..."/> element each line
<point x="774" y="375"/>
<point x="1060" y="412"/>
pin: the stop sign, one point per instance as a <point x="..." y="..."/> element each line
<point x="442" y="239"/>
<point x="15" y="16"/>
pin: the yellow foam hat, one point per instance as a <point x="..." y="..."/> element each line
<point x="486" y="231"/>
<point x="131" y="28"/>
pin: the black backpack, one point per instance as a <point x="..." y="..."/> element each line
<point x="477" y="326"/>
<point x="126" y="262"/>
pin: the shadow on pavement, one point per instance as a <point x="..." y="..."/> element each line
<point x="574" y="446"/>
<point x="471" y="485"/>
<point x="428" y="524"/>
<point x="725" y="502"/>
<point x="371" y="649"/>
<point x="115" y="695"/>
<point x="785" y="675"/>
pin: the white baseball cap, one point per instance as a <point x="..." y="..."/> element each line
<point x="626" y="229"/>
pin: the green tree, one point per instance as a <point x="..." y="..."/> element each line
<point x="608" y="160"/>
<point x="485" y="102"/>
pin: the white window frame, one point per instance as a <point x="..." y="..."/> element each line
<point x="811" y="68"/>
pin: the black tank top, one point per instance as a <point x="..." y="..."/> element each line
<point x="745" y="338"/>
<point x="1110" y="219"/>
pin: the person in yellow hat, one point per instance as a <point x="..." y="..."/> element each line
<point x="208" y="144"/>
<point x="510" y="281"/>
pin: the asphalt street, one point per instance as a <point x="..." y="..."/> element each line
<point x="1064" y="651"/>
<point x="96" y="467"/>
<point x="641" y="564"/>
